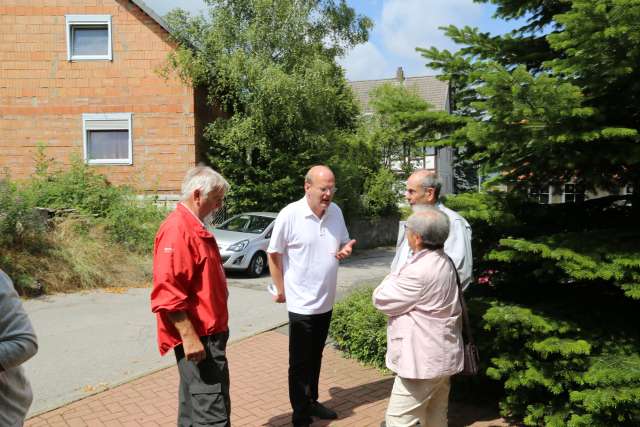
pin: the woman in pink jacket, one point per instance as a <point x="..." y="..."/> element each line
<point x="424" y="334"/>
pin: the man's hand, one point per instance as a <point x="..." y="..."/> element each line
<point x="280" y="298"/>
<point x="277" y="275"/>
<point x="193" y="349"/>
<point x="346" y="250"/>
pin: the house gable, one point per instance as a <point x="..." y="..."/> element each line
<point x="429" y="88"/>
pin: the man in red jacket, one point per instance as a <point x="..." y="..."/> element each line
<point x="189" y="298"/>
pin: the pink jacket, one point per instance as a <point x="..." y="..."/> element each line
<point x="424" y="335"/>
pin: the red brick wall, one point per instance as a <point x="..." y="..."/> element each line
<point x="43" y="95"/>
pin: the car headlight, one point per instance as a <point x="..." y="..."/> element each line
<point x="237" y="247"/>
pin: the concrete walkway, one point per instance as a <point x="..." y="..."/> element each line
<point x="259" y="394"/>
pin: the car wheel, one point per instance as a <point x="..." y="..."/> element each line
<point x="257" y="265"/>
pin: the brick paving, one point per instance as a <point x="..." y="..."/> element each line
<point x="259" y="394"/>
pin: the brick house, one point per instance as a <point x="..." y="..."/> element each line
<point x="81" y="77"/>
<point x="436" y="93"/>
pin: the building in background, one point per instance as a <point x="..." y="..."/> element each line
<point x="82" y="79"/>
<point x="437" y="94"/>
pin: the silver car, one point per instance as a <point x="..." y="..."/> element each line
<point x="243" y="240"/>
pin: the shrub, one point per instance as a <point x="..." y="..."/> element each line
<point x="134" y="223"/>
<point x="78" y="187"/>
<point x="359" y="329"/>
<point x="380" y="198"/>
<point x="19" y="224"/>
<point x="127" y="220"/>
<point x="557" y="285"/>
<point x="560" y="332"/>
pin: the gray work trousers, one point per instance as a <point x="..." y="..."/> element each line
<point x="204" y="386"/>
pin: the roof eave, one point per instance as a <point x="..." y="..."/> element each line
<point x="146" y="9"/>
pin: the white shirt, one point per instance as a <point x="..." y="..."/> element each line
<point x="309" y="245"/>
<point x="457" y="246"/>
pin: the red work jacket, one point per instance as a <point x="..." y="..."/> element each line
<point x="187" y="276"/>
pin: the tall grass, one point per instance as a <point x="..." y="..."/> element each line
<point x="104" y="228"/>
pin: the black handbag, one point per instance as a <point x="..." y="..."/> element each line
<point x="471" y="355"/>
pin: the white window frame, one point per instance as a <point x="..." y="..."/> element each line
<point x="87" y="21"/>
<point x="537" y="194"/>
<point x="575" y="193"/>
<point x="106" y="117"/>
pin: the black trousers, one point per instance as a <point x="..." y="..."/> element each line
<point x="204" y="386"/>
<point x="307" y="336"/>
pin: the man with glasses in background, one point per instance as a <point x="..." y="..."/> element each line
<point x="309" y="238"/>
<point x="423" y="189"/>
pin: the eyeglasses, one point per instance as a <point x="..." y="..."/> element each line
<point x="328" y="190"/>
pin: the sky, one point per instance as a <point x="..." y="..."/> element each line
<point x="399" y="27"/>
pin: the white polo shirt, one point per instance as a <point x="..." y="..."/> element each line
<point x="308" y="245"/>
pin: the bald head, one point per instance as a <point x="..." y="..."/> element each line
<point x="318" y="172"/>
<point x="319" y="187"/>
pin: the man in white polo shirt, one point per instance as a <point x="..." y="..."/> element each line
<point x="309" y="238"/>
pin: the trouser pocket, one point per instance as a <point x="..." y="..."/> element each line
<point x="208" y="405"/>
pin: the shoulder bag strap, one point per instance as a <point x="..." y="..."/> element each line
<point x="466" y="324"/>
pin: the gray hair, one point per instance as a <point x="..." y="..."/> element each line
<point x="432" y="225"/>
<point x="205" y="179"/>
<point x="430" y="180"/>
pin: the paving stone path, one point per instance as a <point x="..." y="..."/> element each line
<point x="259" y="396"/>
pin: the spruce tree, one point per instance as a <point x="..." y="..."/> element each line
<point x="555" y="102"/>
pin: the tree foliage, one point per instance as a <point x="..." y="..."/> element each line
<point x="407" y="124"/>
<point x="556" y="307"/>
<point x="549" y="103"/>
<point x="269" y="66"/>
<point x="554" y="100"/>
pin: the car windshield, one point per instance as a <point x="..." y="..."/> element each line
<point x="246" y="224"/>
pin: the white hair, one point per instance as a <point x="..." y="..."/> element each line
<point x="205" y="179"/>
<point x="431" y="224"/>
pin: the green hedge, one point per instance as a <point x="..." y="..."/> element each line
<point x="359" y="329"/>
<point x="558" y="304"/>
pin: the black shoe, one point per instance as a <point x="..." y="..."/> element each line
<point x="317" y="409"/>
<point x="301" y="420"/>
<point x="302" y="423"/>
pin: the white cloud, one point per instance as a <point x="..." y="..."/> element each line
<point x="365" y="62"/>
<point x="404" y="25"/>
<point x="407" y="24"/>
